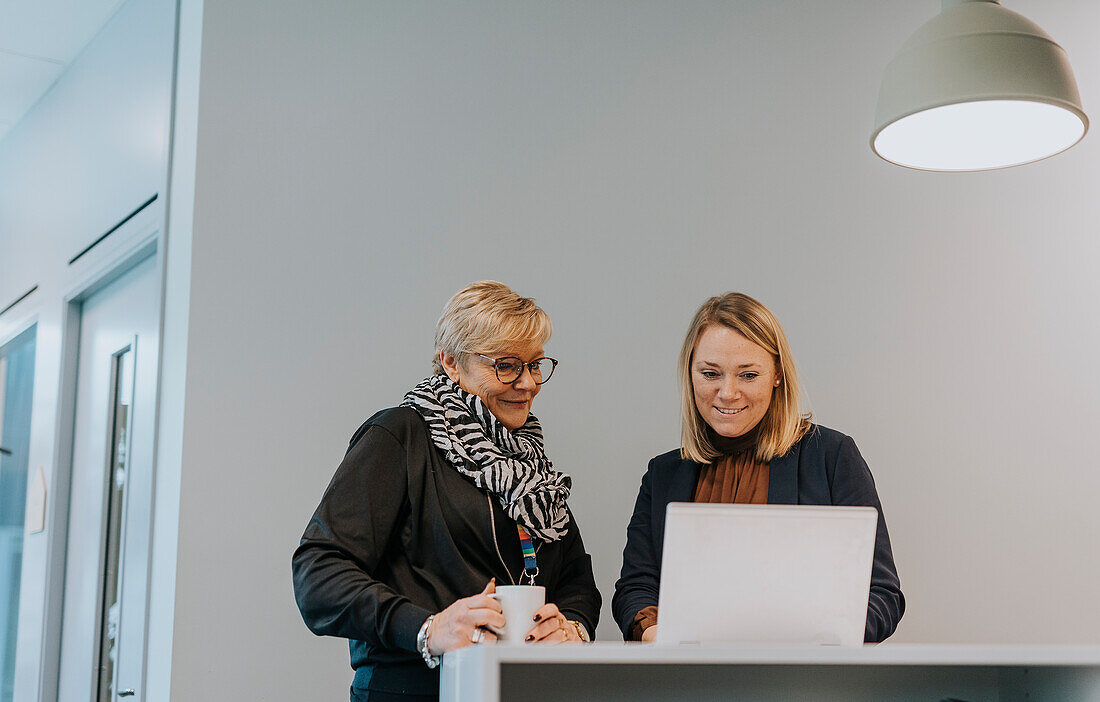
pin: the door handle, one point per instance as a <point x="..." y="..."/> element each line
<point x="126" y="693"/>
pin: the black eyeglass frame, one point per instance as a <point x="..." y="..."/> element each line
<point x="519" y="361"/>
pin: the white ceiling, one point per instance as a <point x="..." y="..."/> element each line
<point x="38" y="40"/>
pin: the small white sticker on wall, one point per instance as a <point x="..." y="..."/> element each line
<point x="36" y="503"/>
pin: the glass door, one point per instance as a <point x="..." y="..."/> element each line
<point x="16" y="388"/>
<point x="110" y="507"/>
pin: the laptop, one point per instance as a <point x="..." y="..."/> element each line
<point x="765" y="574"/>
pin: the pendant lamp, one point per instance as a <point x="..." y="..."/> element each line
<point x="977" y="87"/>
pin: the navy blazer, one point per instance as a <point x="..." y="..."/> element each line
<point x="823" y="468"/>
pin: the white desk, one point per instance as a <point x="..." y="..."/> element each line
<point x="633" y="672"/>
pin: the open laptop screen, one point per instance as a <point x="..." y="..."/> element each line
<point x="770" y="574"/>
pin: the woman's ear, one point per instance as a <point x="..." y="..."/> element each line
<point x="450" y="365"/>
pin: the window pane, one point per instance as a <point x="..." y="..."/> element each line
<point x="16" y="385"/>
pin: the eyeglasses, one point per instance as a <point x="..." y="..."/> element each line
<point x="509" y="369"/>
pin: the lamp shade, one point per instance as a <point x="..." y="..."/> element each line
<point x="977" y="87"/>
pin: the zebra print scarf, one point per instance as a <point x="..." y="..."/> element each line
<point x="510" y="464"/>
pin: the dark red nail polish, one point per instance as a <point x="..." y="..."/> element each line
<point x="529" y="638"/>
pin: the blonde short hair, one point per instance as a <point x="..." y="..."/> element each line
<point x="784" y="423"/>
<point x="486" y="317"/>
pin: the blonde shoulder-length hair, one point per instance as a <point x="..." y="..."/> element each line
<point x="784" y="423"/>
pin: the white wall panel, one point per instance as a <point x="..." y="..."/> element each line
<point x="91" y="150"/>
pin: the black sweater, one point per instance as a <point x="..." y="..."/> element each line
<point x="399" y="535"/>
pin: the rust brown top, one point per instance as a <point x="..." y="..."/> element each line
<point x="739" y="479"/>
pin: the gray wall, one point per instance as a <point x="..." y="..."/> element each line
<point x="621" y="161"/>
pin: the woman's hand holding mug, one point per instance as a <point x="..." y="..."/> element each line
<point x="466" y="622"/>
<point x="552" y="626"/>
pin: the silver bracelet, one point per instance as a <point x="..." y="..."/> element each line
<point x="422" y="642"/>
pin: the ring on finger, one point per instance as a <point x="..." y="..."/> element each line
<point x="478" y="635"/>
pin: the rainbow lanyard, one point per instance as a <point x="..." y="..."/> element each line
<point x="530" y="565"/>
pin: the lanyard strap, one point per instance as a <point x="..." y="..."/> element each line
<point x="530" y="564"/>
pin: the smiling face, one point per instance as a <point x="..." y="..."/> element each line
<point x="510" y="403"/>
<point x="732" y="379"/>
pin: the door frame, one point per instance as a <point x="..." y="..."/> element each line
<point x="144" y="244"/>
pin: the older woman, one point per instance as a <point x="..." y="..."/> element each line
<point x="427" y="511"/>
<point x="745" y="440"/>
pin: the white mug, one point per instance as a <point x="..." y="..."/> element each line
<point x="518" y="603"/>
